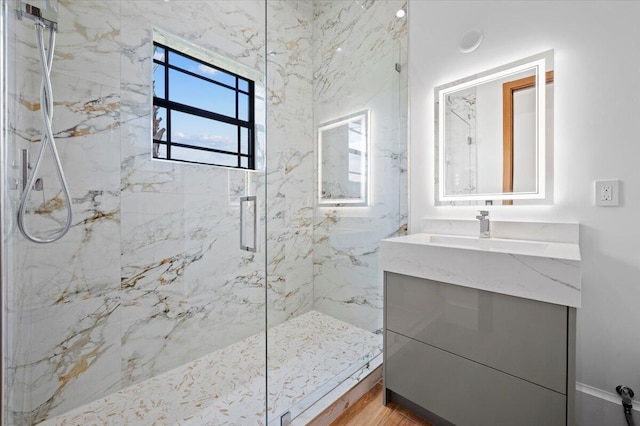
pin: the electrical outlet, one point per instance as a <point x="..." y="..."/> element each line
<point x="607" y="193"/>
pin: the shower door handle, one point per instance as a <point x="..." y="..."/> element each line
<point x="248" y="219"/>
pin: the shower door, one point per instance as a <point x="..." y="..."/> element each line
<point x="338" y="69"/>
<point x="152" y="308"/>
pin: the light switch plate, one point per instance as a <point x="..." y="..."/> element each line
<point x="607" y="193"/>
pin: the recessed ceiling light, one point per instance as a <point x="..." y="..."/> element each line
<point x="339" y="49"/>
<point x="401" y="13"/>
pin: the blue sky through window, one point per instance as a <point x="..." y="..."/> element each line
<point x="199" y="131"/>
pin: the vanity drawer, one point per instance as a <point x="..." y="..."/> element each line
<point x="465" y="392"/>
<point x="522" y="337"/>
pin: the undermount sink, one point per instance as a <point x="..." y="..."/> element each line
<point x="490" y="244"/>
<point x="547" y="249"/>
<point x="546" y="271"/>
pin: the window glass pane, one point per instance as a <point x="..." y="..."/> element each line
<point x="192" y="91"/>
<point x="202" y="86"/>
<point x="355" y="167"/>
<point x="158" y="80"/>
<point x="243" y="107"/>
<point x="356" y="136"/>
<point x="244" y="140"/>
<point x="159" y="123"/>
<point x="198" y="131"/>
<point x="158" y="53"/>
<point x="202" y="69"/>
<point x="159" y="150"/>
<point x="198" y="156"/>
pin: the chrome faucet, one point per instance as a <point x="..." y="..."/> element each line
<point x="483" y="217"/>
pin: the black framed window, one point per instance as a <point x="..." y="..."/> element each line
<point x="201" y="113"/>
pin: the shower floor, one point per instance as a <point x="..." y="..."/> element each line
<point x="227" y="387"/>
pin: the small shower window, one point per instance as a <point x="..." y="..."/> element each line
<point x="201" y="113"/>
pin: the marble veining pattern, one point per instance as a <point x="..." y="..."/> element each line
<point x="146" y="266"/>
<point x="145" y="280"/>
<point x="227" y="387"/>
<point x="290" y="158"/>
<point x="347" y="79"/>
<point x="536" y="277"/>
<point x="64" y="310"/>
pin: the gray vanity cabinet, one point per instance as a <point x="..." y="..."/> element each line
<point x="472" y="357"/>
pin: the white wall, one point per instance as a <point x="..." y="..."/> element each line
<point x="597" y="65"/>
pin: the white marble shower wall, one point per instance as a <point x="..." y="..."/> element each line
<point x="149" y="276"/>
<point x="356" y="47"/>
<point x="290" y="159"/>
<point x="62" y="305"/>
<point x="187" y="289"/>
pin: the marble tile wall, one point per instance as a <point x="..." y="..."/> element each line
<point x="187" y="289"/>
<point x="149" y="276"/>
<point x="356" y="48"/>
<point x="63" y="309"/>
<point x="145" y="280"/>
<point x="290" y="161"/>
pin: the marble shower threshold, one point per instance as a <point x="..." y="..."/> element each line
<point x="228" y="386"/>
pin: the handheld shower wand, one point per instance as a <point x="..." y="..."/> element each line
<point x="44" y="18"/>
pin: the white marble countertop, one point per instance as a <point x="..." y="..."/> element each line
<point x="554" y="250"/>
<point x="539" y="270"/>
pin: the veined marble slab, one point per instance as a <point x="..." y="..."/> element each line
<point x="144" y="281"/>
<point x="551" y="274"/>
<point x="347" y="283"/>
<point x="228" y="387"/>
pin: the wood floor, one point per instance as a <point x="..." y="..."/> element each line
<point x="369" y="411"/>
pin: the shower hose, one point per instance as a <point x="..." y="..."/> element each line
<point x="46" y="108"/>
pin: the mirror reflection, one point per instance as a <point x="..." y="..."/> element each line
<point x="343" y="160"/>
<point x="491" y="134"/>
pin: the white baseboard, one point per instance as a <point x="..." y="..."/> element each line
<point x="597" y="407"/>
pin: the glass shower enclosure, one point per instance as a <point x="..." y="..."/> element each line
<point x="187" y="293"/>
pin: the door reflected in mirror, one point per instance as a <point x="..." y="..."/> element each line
<point x="519" y="144"/>
<point x="491" y="134"/>
<point x="343" y="161"/>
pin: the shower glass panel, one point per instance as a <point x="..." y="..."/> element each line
<point x="147" y="311"/>
<point x="324" y="287"/>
